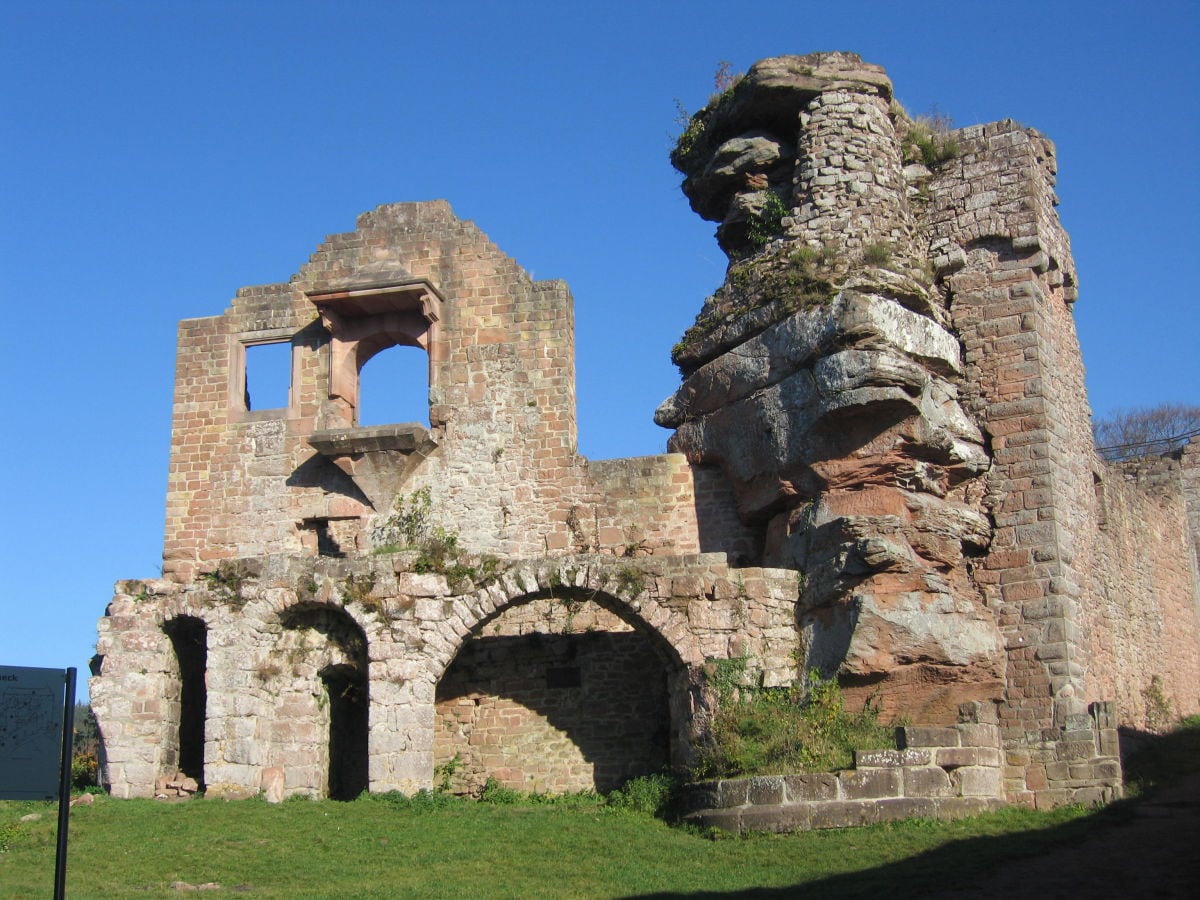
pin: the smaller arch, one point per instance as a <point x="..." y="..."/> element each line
<point x="325" y="643"/>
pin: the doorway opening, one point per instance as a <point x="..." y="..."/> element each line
<point x="189" y="639"/>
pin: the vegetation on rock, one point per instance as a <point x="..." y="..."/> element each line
<point x="781" y="282"/>
<point x="768" y="731"/>
<point x="927" y="139"/>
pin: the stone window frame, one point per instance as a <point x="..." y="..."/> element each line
<point x="365" y="320"/>
<point x="237" y="374"/>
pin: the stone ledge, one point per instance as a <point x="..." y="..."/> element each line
<point x="941" y="772"/>
<point x="347" y="441"/>
<point x="813" y="815"/>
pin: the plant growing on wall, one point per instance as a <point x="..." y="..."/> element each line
<point x="357" y="589"/>
<point x="692" y="138"/>
<point x="762" y="731"/>
<point x="928" y="139"/>
<point x="1159" y="713"/>
<point x="779" y="282"/>
<point x="630" y="580"/>
<point x="768" y="223"/>
<point x="227" y="582"/>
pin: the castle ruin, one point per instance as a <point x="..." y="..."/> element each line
<point x="881" y="467"/>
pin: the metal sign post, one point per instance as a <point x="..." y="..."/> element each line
<point x="37" y="738"/>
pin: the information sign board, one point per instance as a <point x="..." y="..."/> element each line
<point x="31" y="732"/>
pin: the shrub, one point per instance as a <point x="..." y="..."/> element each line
<point x="1159" y="714"/>
<point x="761" y="731"/>
<point x="877" y="254"/>
<point x="84" y="770"/>
<point x="652" y="795"/>
<point x="767" y="224"/>
<point x="496" y="793"/>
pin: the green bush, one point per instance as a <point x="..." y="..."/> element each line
<point x="762" y="731"/>
<point x="652" y="795"/>
<point x="768" y="224"/>
<point x="84" y="770"/>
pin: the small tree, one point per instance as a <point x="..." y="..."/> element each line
<point x="1145" y="431"/>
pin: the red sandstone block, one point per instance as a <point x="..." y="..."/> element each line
<point x="1024" y="590"/>
<point x="1008" y="559"/>
<point x="912" y="736"/>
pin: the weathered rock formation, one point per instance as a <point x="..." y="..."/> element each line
<point x="824" y="379"/>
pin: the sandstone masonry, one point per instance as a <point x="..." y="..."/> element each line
<point x="881" y="467"/>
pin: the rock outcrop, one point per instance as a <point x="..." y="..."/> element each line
<point x="824" y="379"/>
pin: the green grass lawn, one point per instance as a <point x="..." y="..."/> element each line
<point x="368" y="848"/>
<point x="437" y="846"/>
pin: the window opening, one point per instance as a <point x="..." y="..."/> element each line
<point x="329" y="536"/>
<point x="393" y="387"/>
<point x="1101" y="502"/>
<point x="268" y="375"/>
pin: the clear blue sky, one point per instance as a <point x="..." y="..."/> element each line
<point x="156" y="156"/>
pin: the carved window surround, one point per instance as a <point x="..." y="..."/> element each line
<point x="364" y="320"/>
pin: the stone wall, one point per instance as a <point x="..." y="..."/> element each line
<point x="948" y="482"/>
<point x="499" y="456"/>
<point x="1141" y="621"/>
<point x="277" y="628"/>
<point x="939" y="773"/>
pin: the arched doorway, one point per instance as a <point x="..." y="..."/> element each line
<point x="556" y="692"/>
<point x="326" y="680"/>
<point x="187" y="703"/>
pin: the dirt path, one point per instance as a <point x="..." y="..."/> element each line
<point x="1155" y="853"/>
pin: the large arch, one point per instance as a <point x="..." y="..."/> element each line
<point x="623" y="595"/>
<point x="562" y="683"/>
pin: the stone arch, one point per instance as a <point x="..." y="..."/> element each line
<point x="320" y="663"/>
<point x="587" y="578"/>
<point x="566" y="686"/>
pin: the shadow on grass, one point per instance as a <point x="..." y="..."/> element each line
<point x="1156" y="764"/>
